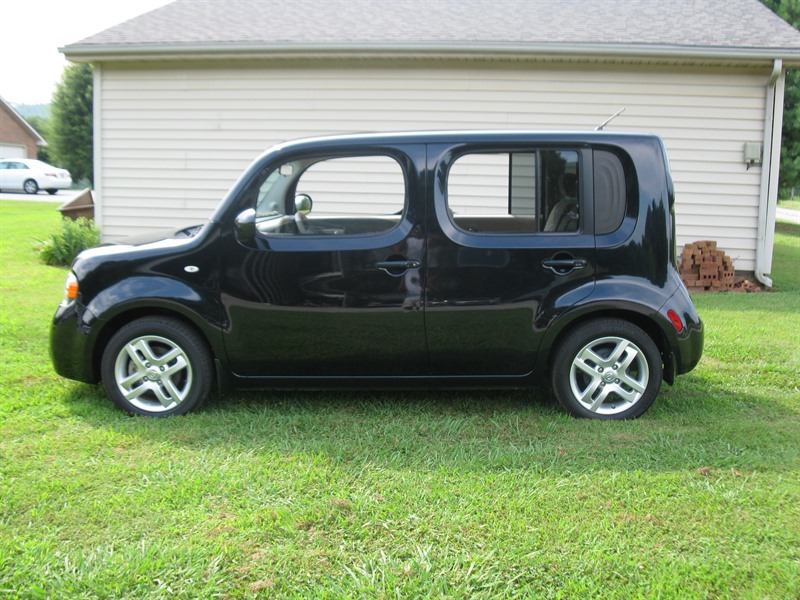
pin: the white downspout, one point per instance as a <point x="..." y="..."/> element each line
<point x="768" y="198"/>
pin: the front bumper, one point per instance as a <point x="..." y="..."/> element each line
<point x="71" y="344"/>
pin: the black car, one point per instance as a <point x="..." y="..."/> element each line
<point x="463" y="259"/>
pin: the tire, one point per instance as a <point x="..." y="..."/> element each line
<point x="607" y="369"/>
<point x="30" y="186"/>
<point x="157" y="366"/>
<point x="51" y="192"/>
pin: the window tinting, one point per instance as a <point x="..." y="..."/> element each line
<point x="610" y="198"/>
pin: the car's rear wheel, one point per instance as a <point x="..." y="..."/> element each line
<point x="607" y="369"/>
<point x="157" y="366"/>
<point x="30" y="186"/>
<point x="51" y="191"/>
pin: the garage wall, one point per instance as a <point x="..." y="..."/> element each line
<point x="15" y="140"/>
<point x="171" y="139"/>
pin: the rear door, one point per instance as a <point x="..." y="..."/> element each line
<point x="511" y="245"/>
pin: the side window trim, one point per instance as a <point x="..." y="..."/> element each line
<point x="442" y="156"/>
<point x="406" y="157"/>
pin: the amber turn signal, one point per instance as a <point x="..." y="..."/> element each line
<point x="71" y="287"/>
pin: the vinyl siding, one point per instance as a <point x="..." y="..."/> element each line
<point x="174" y="138"/>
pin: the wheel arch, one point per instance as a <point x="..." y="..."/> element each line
<point x="119" y="320"/>
<point x="644" y="319"/>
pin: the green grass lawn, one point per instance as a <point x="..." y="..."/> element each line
<point x="463" y="495"/>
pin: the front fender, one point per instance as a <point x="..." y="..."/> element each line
<point x="79" y="332"/>
<point x="144" y="291"/>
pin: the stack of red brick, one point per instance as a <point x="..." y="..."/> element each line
<point x="703" y="267"/>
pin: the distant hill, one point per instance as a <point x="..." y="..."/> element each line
<point x="33" y="110"/>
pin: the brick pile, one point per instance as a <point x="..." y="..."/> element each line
<point x="703" y="267"/>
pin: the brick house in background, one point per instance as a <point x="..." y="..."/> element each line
<point x="17" y="138"/>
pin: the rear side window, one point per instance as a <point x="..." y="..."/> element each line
<point x="534" y="191"/>
<point x="610" y="192"/>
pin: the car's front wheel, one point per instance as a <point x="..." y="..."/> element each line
<point x="30" y="186"/>
<point x="607" y="369"/>
<point x="157" y="366"/>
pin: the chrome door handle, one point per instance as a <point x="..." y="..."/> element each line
<point x="396" y="268"/>
<point x="562" y="266"/>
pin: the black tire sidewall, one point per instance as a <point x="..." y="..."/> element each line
<point x="585" y="333"/>
<point x="182" y="335"/>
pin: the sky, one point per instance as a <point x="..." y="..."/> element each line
<point x="34" y="30"/>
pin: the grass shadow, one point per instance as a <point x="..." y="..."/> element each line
<point x="692" y="425"/>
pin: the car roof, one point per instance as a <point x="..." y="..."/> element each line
<point x="464" y="136"/>
<point x="31" y="162"/>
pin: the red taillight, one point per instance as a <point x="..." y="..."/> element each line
<point x="675" y="320"/>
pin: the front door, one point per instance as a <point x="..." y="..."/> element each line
<point x="332" y="284"/>
<point x="12" y="175"/>
<point x="511" y="245"/>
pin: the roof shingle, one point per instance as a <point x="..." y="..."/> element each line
<point x="480" y="24"/>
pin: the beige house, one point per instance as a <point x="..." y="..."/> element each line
<point x="187" y="95"/>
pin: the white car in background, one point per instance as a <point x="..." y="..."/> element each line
<point x="31" y="175"/>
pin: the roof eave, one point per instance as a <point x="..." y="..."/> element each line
<point x="126" y="52"/>
<point x="23" y="122"/>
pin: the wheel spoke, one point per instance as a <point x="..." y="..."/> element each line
<point x="128" y="382"/>
<point x="179" y="365"/>
<point x="619" y="350"/>
<point x="162" y="396"/>
<point x="588" y="355"/>
<point x="631" y="355"/>
<point x="168" y="393"/>
<point x="633" y="383"/>
<point x="629" y="396"/>
<point x="133" y="352"/>
<point x="143" y="346"/>
<point x="597" y="401"/>
<point x="586" y="368"/>
<point x="132" y="393"/>
<point x="167" y="358"/>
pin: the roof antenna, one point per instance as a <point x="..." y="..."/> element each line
<point x="609" y="119"/>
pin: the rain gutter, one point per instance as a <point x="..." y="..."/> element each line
<point x="221" y="50"/>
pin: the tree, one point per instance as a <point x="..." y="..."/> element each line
<point x="71" y="122"/>
<point x="789" y="10"/>
<point x="42" y="125"/>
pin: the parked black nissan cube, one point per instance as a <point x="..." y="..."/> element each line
<point x="465" y="259"/>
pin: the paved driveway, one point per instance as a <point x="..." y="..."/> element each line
<point x="60" y="196"/>
<point x="784" y="214"/>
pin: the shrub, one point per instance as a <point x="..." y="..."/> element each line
<point x="71" y="238"/>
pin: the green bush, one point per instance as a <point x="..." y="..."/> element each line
<point x="71" y="238"/>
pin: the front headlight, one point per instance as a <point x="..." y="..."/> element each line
<point x="70" y="288"/>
